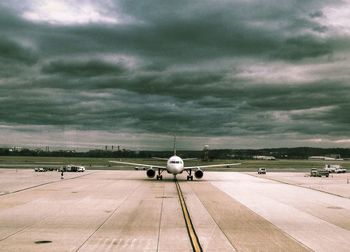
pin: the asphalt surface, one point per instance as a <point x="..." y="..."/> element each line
<point x="125" y="211"/>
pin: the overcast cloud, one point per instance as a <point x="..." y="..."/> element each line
<point x="231" y="74"/>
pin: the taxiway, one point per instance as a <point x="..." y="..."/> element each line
<point x="124" y="211"/>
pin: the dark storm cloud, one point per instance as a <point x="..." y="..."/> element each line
<point x="229" y="28"/>
<point x="10" y="51"/>
<point x="303" y="47"/>
<point x="198" y="68"/>
<point x="310" y="95"/>
<point x="75" y="68"/>
<point x="201" y="31"/>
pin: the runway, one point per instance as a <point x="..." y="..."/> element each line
<point x="125" y="211"/>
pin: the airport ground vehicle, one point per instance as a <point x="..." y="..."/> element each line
<point x="72" y="168"/>
<point x="262" y="171"/>
<point x="319" y="173"/>
<point x="340" y="170"/>
<point x="43" y="169"/>
<point x="40" y="169"/>
<point x="334" y="168"/>
<point x="81" y="169"/>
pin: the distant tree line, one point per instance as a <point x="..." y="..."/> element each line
<point x="280" y="153"/>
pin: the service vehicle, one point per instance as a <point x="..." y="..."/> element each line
<point x="80" y="169"/>
<point x="340" y="170"/>
<point x="72" y="168"/>
<point x="331" y="167"/>
<point x="319" y="173"/>
<point x="262" y="171"/>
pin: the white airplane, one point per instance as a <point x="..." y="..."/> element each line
<point x="175" y="165"/>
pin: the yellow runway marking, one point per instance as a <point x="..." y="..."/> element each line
<point x="190" y="229"/>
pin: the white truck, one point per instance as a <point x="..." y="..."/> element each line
<point x="262" y="171"/>
<point x="73" y="168"/>
<point x="333" y="168"/>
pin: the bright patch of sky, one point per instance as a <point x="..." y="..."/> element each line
<point x="277" y="73"/>
<point x="338" y="18"/>
<point x="68" y="13"/>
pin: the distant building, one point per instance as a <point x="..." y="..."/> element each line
<point x="15" y="148"/>
<point x="67" y="151"/>
<point x="336" y="156"/>
<point x="264" y="157"/>
<point x="326" y="158"/>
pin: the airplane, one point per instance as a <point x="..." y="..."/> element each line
<point x="175" y="165"/>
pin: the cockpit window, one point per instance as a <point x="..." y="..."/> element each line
<point x="175" y="162"/>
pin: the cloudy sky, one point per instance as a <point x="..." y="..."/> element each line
<point x="231" y="74"/>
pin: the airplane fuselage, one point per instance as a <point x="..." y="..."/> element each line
<point x="175" y="165"/>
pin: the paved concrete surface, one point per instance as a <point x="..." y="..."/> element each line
<point x="334" y="184"/>
<point x="124" y="211"/>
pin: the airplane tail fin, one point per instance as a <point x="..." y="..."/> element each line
<point x="174" y="145"/>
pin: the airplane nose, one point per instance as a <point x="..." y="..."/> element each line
<point x="178" y="169"/>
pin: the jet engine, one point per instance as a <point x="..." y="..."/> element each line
<point x="198" y="173"/>
<point x="150" y="173"/>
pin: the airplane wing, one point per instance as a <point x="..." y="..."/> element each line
<point x="159" y="158"/>
<point x="208" y="166"/>
<point x="136" y="164"/>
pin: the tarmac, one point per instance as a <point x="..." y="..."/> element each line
<point x="125" y="211"/>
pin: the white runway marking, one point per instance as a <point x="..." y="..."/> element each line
<point x="282" y="205"/>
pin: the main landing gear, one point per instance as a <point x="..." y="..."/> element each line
<point x="190" y="176"/>
<point x="159" y="175"/>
